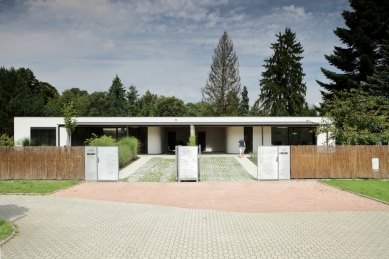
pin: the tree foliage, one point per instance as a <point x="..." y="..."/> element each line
<point x="367" y="24"/>
<point x="116" y="98"/>
<point x="282" y="90"/>
<point x="244" y="107"/>
<point x="169" y="107"/>
<point x="378" y="83"/>
<point x="193" y="109"/>
<point x="356" y="118"/>
<point x="16" y="99"/>
<point x="6" y="140"/>
<point x="147" y="105"/>
<point x="69" y="115"/>
<point x="221" y="92"/>
<point x="133" y="101"/>
<point x="79" y="98"/>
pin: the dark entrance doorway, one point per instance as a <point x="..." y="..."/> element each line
<point x="248" y="138"/>
<point x="171" y="140"/>
<point x="201" y="139"/>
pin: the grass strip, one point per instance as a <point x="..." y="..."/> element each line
<point x="5" y="229"/>
<point x="39" y="187"/>
<point x="377" y="189"/>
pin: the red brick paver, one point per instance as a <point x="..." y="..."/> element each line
<point x="254" y="197"/>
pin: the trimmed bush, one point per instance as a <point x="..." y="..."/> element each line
<point x="128" y="147"/>
<point x="128" y="150"/>
<point x="5" y="140"/>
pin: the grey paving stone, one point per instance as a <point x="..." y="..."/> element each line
<point x="57" y="227"/>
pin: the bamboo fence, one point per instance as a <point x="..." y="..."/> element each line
<point x="42" y="163"/>
<point x="338" y="162"/>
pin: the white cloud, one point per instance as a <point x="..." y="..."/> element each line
<point x="162" y="45"/>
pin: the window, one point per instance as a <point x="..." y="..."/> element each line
<point x="293" y="136"/>
<point x="43" y="136"/>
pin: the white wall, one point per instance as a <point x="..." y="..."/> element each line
<point x="257" y="138"/>
<point x="154" y="140"/>
<point x="267" y="136"/>
<point x="23" y="125"/>
<point x="233" y="135"/>
<point x="214" y="138"/>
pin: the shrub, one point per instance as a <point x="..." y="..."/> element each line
<point x="192" y="141"/>
<point x="254" y="156"/>
<point x="128" y="147"/>
<point x="6" y="140"/>
<point x="128" y="150"/>
<point x="103" y="141"/>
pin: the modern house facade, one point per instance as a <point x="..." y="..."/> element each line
<point x="214" y="134"/>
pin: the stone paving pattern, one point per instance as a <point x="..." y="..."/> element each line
<point x="58" y="227"/>
<point x="213" y="169"/>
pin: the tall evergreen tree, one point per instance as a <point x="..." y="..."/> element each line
<point x="244" y="103"/>
<point x="116" y="100"/>
<point x="367" y="25"/>
<point x="221" y="91"/>
<point x="282" y="89"/>
<point x="133" y="101"/>
<point x="378" y="83"/>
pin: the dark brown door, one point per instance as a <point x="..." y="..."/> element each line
<point x="201" y="139"/>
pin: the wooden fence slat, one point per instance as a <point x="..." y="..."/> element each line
<point x="338" y="162"/>
<point x="42" y="163"/>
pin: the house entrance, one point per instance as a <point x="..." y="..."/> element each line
<point x="201" y="139"/>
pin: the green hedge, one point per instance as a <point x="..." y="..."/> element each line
<point x="128" y="147"/>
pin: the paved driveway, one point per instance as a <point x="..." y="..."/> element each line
<point x="75" y="226"/>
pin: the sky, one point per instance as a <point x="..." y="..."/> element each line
<point x="164" y="46"/>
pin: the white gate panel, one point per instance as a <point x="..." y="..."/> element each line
<point x="187" y="159"/>
<point x="267" y="163"/>
<point x="108" y="164"/>
<point x="284" y="162"/>
<point x="90" y="163"/>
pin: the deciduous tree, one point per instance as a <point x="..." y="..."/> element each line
<point x="356" y="118"/>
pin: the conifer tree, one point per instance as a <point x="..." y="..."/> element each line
<point x="282" y="90"/>
<point x="378" y="83"/>
<point x="116" y="100"/>
<point x="221" y="91"/>
<point x="244" y="103"/>
<point x="367" y="25"/>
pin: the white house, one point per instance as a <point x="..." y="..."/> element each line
<point x="214" y="134"/>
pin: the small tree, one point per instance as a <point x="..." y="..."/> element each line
<point x="69" y="114"/>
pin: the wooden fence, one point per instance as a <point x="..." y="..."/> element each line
<point x="42" y="163"/>
<point x="338" y="162"/>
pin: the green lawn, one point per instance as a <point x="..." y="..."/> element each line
<point x="40" y="187"/>
<point x="5" y="229"/>
<point x="377" y="189"/>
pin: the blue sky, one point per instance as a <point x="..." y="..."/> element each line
<point x="165" y="46"/>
